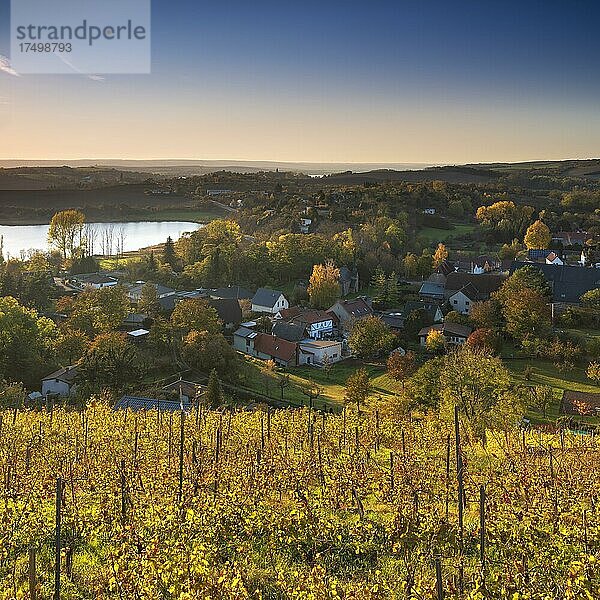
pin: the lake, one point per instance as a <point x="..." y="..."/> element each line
<point x="136" y="235"/>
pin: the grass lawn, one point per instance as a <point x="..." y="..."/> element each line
<point x="545" y="373"/>
<point x="259" y="379"/>
<point x="434" y="235"/>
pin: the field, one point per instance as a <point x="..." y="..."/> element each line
<point x="258" y="378"/>
<point x="292" y="504"/>
<point x="434" y="235"/>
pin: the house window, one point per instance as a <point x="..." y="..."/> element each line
<point x="455" y="301"/>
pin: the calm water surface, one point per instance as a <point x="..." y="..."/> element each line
<point x="136" y="235"/>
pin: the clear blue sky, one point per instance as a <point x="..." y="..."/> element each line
<point x="418" y="81"/>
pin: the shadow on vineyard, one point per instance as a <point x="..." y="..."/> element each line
<point x="292" y="504"/>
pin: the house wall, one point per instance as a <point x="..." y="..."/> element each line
<point x="55" y="386"/>
<point x="318" y="330"/>
<point x="460" y="303"/>
<point x="281" y="304"/>
<point x="316" y="355"/>
<point x="244" y="345"/>
<point x="98" y="286"/>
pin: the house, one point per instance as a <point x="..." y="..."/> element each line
<point x="394" y="319"/>
<point x="580" y="403"/>
<point x="269" y="301"/>
<point x="431" y="308"/>
<point x="567" y="283"/>
<point x="454" y="333"/>
<point x="485" y="283"/>
<point x="304" y="225"/>
<point x="186" y="390"/>
<point x="348" y="311"/>
<point x="138" y="336"/>
<point x="319" y="352"/>
<point x="554" y="259"/>
<point x="463" y="300"/>
<point x="232" y="291"/>
<point x="571" y="238"/>
<point x="243" y="340"/>
<point x="229" y="311"/>
<point x="315" y="324"/>
<point x="136" y="321"/>
<point x="266" y="347"/>
<point x="134" y="290"/>
<point x="61" y="382"/>
<point x="431" y="290"/>
<point x="535" y="254"/>
<point x="288" y="331"/>
<point x="484" y="264"/>
<point x="136" y="403"/>
<point x="94" y="281"/>
<point x="348" y="281"/>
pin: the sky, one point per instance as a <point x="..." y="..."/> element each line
<point x="383" y="82"/>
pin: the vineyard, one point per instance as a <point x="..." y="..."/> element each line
<point x="292" y="504"/>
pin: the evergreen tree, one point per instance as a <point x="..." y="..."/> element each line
<point x="380" y="285"/>
<point x="169" y="255"/>
<point x="214" y="394"/>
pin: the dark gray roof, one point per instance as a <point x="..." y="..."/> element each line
<point x="234" y="291"/>
<point x="567" y="283"/>
<point x="484" y="283"/>
<point x="266" y="297"/>
<point x="66" y="374"/>
<point x="289" y="331"/>
<point x="429" y="307"/>
<point x="245" y="332"/>
<point x="428" y="288"/>
<point x="393" y="319"/>
<point x="228" y="309"/>
<point x="448" y="329"/>
<point x="137" y="403"/>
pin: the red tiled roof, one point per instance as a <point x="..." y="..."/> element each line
<point x="275" y="347"/>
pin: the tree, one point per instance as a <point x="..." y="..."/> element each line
<point x="26" y="341"/>
<point x="479" y="384"/>
<point x="526" y="277"/>
<point x="486" y="314"/>
<point x="401" y="366"/>
<point x="440" y="255"/>
<point x="195" y="315"/>
<point x="148" y="303"/>
<point x="312" y="391"/>
<point x="593" y="372"/>
<point x="283" y="381"/>
<point x="99" y="311"/>
<point x="65" y="233"/>
<point x="435" y="341"/>
<point x="214" y="393"/>
<point x="206" y="351"/>
<point x="527" y="314"/>
<point x="12" y="395"/>
<point x="538" y="236"/>
<point x="324" y="286"/>
<point x="591" y="299"/>
<point x="423" y="387"/>
<point x="71" y="345"/>
<point x="358" y="388"/>
<point x="169" y="256"/>
<point x="510" y="251"/>
<point x="486" y="340"/>
<point x="110" y="361"/>
<point x="370" y="337"/>
<point x="541" y="398"/>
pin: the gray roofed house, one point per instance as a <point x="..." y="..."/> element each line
<point x="348" y="281"/>
<point x="432" y="290"/>
<point x="138" y="403"/>
<point x="289" y="331"/>
<point x="484" y="283"/>
<point x="134" y="290"/>
<point x="233" y="291"/>
<point x="567" y="283"/>
<point x="61" y="382"/>
<point x="431" y="308"/>
<point x="228" y="309"/>
<point x="454" y="333"/>
<point x="269" y="301"/>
